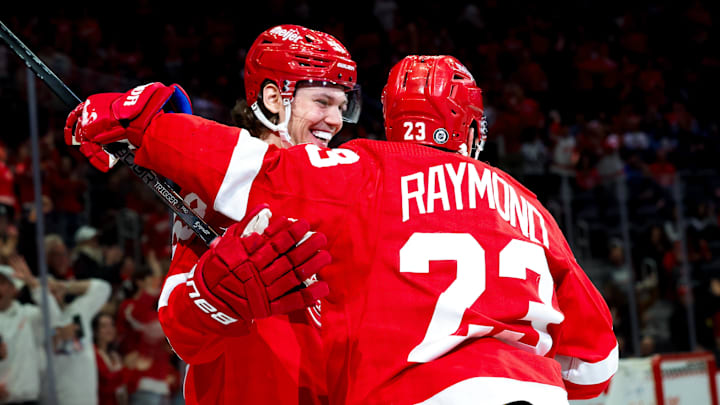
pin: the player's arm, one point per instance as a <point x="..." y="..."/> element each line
<point x="194" y="152"/>
<point x="218" y="162"/>
<point x="252" y="271"/>
<point x="587" y="347"/>
<point x="232" y="170"/>
<point x="198" y="154"/>
<point x="179" y="319"/>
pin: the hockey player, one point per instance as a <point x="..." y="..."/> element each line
<point x="284" y="350"/>
<point x="450" y="283"/>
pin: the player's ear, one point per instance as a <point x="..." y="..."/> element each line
<point x="272" y="98"/>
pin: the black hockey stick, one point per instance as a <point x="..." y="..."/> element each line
<point x="119" y="150"/>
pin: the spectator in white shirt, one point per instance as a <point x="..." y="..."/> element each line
<point x="74" y="360"/>
<point x="22" y="357"/>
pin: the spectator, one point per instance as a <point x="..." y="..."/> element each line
<point x="702" y="219"/>
<point x="535" y="158"/>
<point x="610" y="164"/>
<point x="26" y="232"/>
<point x="112" y="374"/>
<point x="22" y="358"/>
<point x="147" y="356"/>
<point x="156" y="231"/>
<point x="137" y="322"/>
<point x="89" y="260"/>
<point x="67" y="190"/>
<point x="564" y="153"/>
<point x="652" y="250"/>
<point x="616" y="296"/>
<point x="587" y="177"/>
<point x="58" y="259"/>
<point x="8" y="234"/>
<point x="8" y="198"/>
<point x="24" y="175"/>
<point x="662" y="169"/>
<point x="656" y="313"/>
<point x="74" y="355"/>
<point x="87" y="256"/>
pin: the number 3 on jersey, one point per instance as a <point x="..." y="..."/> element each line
<point x="514" y="260"/>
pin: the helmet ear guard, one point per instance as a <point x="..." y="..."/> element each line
<point x="434" y="101"/>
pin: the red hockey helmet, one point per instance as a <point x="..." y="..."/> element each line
<point x="292" y="54"/>
<point x="433" y="100"/>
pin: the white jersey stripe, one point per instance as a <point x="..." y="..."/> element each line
<point x="582" y="373"/>
<point x="245" y="163"/>
<point x="170" y="284"/>
<point x="498" y="391"/>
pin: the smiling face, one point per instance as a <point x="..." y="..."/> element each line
<point x="315" y="115"/>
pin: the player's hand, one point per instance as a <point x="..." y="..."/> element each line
<point x="255" y="270"/>
<point x="111" y="117"/>
<point x="97" y="156"/>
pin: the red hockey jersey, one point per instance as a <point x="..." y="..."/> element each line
<point x="449" y="281"/>
<point x="279" y="361"/>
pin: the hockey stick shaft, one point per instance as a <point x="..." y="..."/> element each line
<point x="39" y="68"/>
<point x="158" y="185"/>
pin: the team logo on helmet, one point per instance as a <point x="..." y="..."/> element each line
<point x="440" y="136"/>
<point x="287" y="35"/>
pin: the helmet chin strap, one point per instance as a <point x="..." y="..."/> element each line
<point x="478" y="144"/>
<point x="282" y="127"/>
<point x="474" y="153"/>
<point x="475" y="148"/>
<point x="479" y="147"/>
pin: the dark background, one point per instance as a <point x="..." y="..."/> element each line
<point x="585" y="91"/>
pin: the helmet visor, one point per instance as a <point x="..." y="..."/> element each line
<point x="351" y="112"/>
<point x="353" y="102"/>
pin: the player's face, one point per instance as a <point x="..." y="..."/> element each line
<point x="316" y="114"/>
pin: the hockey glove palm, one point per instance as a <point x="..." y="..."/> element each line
<point x="246" y="275"/>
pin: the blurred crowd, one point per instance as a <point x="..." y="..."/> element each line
<point x="603" y="109"/>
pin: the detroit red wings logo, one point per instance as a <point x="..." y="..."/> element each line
<point x="314" y="312"/>
<point x="182" y="232"/>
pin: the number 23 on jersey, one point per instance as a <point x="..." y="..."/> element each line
<point x="515" y="259"/>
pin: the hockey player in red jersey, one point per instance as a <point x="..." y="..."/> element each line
<point x="284" y="350"/>
<point x="450" y="283"/>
